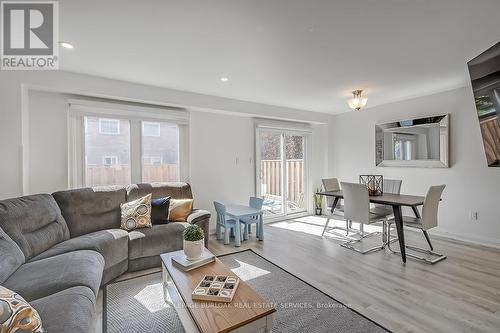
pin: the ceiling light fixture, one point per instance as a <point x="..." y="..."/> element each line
<point x="357" y="102"/>
<point x="67" y="45"/>
<point x="224" y="79"/>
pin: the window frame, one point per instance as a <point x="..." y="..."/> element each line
<point x="286" y="128"/>
<point x="77" y="110"/>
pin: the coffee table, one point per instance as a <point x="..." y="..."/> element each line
<point x="248" y="311"/>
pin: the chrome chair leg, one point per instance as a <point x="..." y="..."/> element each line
<point x="347" y="229"/>
<point x="430" y="252"/>
<point x="350" y="244"/>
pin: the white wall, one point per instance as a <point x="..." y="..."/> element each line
<point x="216" y="141"/>
<point x="470" y="184"/>
<point x="21" y="126"/>
<point x="33" y="135"/>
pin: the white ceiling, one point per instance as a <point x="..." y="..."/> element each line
<point x="307" y="54"/>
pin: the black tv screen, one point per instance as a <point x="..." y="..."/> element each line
<point x="484" y="73"/>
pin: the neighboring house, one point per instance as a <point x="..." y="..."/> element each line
<point x="107" y="142"/>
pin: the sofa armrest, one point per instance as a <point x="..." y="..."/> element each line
<point x="202" y="218"/>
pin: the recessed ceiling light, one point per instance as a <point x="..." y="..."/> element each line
<point x="66" y="45"/>
<point x="224" y="79"/>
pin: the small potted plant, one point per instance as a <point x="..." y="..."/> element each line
<point x="194" y="242"/>
<point x="318" y="201"/>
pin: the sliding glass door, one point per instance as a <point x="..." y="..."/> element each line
<point x="281" y="170"/>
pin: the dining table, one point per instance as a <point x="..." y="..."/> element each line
<point x="396" y="201"/>
<point x="240" y="211"/>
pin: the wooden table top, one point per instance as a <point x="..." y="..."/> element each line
<point x="247" y="305"/>
<point x="385" y="199"/>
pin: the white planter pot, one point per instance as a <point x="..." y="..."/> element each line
<point x="193" y="250"/>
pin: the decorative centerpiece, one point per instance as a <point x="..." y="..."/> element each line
<point x="217" y="288"/>
<point x="374" y="184"/>
<point x="194" y="242"/>
<point x="318" y="201"/>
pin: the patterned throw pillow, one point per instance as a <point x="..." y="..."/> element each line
<point x="136" y="214"/>
<point x="180" y="209"/>
<point x="16" y="315"/>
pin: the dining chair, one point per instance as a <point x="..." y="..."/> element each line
<point x="357" y="209"/>
<point x="256" y="203"/>
<point x="392" y="186"/>
<point x="428" y="220"/>
<point x="332" y="184"/>
<point x="224" y="222"/>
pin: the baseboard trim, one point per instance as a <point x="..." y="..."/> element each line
<point x="467" y="239"/>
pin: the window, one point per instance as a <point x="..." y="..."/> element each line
<point x="107" y="158"/>
<point x="120" y="144"/>
<point x="109" y="126"/>
<point x="282" y="173"/>
<point x="150" y="129"/>
<point x="110" y="160"/>
<point x="160" y="153"/>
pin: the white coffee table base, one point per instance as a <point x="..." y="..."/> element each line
<point x="173" y="298"/>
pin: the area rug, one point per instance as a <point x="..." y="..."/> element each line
<point x="137" y="305"/>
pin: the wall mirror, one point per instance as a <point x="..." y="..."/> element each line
<point x="420" y="142"/>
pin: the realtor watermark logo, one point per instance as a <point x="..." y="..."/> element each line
<point x="29" y="35"/>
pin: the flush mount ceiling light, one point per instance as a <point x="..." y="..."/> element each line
<point x="224" y="79"/>
<point x="357" y="102"/>
<point x="66" y="45"/>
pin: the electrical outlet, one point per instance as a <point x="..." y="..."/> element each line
<point x="473" y="215"/>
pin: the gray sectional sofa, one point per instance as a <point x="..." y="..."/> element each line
<point x="57" y="250"/>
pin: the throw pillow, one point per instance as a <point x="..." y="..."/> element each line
<point x="159" y="210"/>
<point x="136" y="214"/>
<point x="180" y="209"/>
<point x="16" y="315"/>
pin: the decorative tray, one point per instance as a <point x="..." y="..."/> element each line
<point x="216" y="288"/>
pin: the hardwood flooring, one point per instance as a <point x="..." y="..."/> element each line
<point x="459" y="294"/>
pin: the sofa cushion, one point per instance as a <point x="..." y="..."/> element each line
<point x="156" y="240"/>
<point x="17" y="315"/>
<point x="44" y="277"/>
<point x="159" y="210"/>
<point x="180" y="209"/>
<point x="70" y="310"/>
<point x="11" y="256"/>
<point x="34" y="222"/>
<point x="91" y="209"/>
<point x="136" y="214"/>
<point x="112" y="244"/>
<point x="177" y="190"/>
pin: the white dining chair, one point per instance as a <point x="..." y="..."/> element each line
<point x="392" y="186"/>
<point x="357" y="209"/>
<point x="428" y="220"/>
<point x="332" y="184"/>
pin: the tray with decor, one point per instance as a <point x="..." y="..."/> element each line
<point x="216" y="288"/>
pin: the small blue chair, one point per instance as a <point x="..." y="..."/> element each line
<point x="224" y="222"/>
<point x="255" y="219"/>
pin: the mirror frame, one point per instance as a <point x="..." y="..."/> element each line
<point x="443" y="162"/>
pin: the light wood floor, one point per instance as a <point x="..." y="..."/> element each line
<point x="459" y="294"/>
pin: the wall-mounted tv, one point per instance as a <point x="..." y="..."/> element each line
<point x="484" y="73"/>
